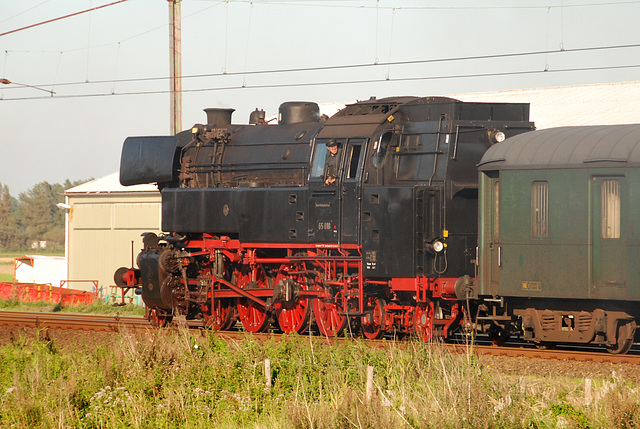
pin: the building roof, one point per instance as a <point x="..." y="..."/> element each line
<point x="109" y="185"/>
<point x="606" y="146"/>
<point x="601" y="104"/>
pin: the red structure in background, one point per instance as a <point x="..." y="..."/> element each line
<point x="31" y="292"/>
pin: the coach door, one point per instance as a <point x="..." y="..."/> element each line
<point x="350" y="189"/>
<point x="609" y="257"/>
<point x="492" y="245"/>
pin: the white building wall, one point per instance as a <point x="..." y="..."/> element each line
<point x="103" y="220"/>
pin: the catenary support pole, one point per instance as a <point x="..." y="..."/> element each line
<point x="175" y="61"/>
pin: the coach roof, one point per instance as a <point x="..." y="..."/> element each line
<point x="601" y="145"/>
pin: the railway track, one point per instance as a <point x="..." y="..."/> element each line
<point x="516" y="351"/>
<point x="115" y="323"/>
<point x="70" y="321"/>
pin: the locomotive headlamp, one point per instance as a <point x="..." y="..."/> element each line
<point x="436" y="246"/>
<point x="195" y="129"/>
<point x="496" y="136"/>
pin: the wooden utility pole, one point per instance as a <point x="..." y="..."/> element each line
<point x="175" y="60"/>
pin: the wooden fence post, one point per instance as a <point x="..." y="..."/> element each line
<point x="587" y="391"/>
<point x="369" y="388"/>
<point x="267" y="372"/>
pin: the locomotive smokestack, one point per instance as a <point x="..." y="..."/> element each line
<point x="293" y="112"/>
<point x="219" y="118"/>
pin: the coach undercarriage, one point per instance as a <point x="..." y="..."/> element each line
<point x="548" y="323"/>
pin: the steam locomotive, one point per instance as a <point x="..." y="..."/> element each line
<point x="366" y="220"/>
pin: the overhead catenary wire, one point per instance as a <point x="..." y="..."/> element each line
<point x="333" y="83"/>
<point x="61" y="17"/>
<point x="345" y="5"/>
<point x="24" y="11"/>
<point x="244" y="73"/>
<point x="364" y="65"/>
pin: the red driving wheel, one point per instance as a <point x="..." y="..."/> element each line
<point x="253" y="316"/>
<point x="293" y="315"/>
<point x="223" y="314"/>
<point x="423" y="320"/>
<point x="373" y="322"/>
<point x="330" y="321"/>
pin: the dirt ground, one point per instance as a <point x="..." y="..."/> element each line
<point x="6" y="266"/>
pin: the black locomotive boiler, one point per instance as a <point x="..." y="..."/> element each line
<point x="365" y="219"/>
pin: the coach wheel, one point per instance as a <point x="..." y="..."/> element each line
<point x="624" y="338"/>
<point x="373" y="322"/>
<point x="222" y="316"/>
<point x="253" y="316"/>
<point x="159" y="319"/>
<point x="498" y="334"/>
<point x="330" y="321"/>
<point x="293" y="315"/>
<point x="423" y="321"/>
<point x="545" y="345"/>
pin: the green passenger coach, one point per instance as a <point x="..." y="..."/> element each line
<point x="559" y="235"/>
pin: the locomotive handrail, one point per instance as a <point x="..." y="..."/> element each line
<point x="430" y="152"/>
<point x="329" y="258"/>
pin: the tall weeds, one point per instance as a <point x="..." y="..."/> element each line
<point x="194" y="379"/>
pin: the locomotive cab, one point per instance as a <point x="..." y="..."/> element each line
<point x="335" y="187"/>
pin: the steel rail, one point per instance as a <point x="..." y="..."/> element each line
<point x="115" y="323"/>
<point x="70" y="321"/>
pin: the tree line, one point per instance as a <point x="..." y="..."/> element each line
<point x="33" y="221"/>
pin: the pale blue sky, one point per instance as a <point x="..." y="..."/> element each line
<point x="100" y="64"/>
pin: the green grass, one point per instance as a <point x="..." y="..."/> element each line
<point x="8" y="278"/>
<point x="97" y="307"/>
<point x="174" y="379"/>
<point x="15" y="254"/>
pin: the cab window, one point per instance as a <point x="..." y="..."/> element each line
<point x="319" y="158"/>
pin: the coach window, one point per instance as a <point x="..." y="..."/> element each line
<point x="540" y="209"/>
<point x="610" y="209"/>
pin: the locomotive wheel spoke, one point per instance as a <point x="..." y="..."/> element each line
<point x="293" y="316"/>
<point x="373" y="322"/>
<point x="423" y="321"/>
<point x="329" y="321"/>
<point x="294" y="319"/>
<point x="222" y="316"/>
<point x="624" y="339"/>
<point x="254" y="318"/>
